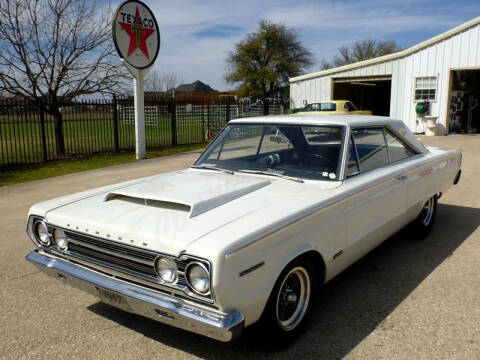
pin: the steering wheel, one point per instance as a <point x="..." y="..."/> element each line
<point x="318" y="159"/>
<point x="271" y="160"/>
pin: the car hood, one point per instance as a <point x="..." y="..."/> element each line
<point x="169" y="211"/>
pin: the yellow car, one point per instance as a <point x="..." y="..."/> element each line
<point x="334" y="107"/>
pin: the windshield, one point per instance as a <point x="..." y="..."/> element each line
<point x="297" y="151"/>
<point x="325" y="106"/>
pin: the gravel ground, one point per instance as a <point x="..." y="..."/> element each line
<point x="405" y="300"/>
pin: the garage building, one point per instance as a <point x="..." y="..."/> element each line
<point x="444" y="70"/>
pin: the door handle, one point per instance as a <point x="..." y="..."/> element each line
<point x="402" y="178"/>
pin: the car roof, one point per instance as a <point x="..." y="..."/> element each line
<point x="324" y="119"/>
<point x="338" y="120"/>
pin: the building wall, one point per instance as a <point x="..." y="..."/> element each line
<point x="461" y="50"/>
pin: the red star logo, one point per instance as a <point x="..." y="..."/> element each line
<point x="138" y="35"/>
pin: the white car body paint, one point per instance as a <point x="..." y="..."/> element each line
<point x="241" y="220"/>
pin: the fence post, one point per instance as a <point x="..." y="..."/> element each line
<point x="203" y="118"/>
<point x="115" y="124"/>
<point x="173" y="114"/>
<point x="207" y="134"/>
<point x="266" y="109"/>
<point x="42" y="131"/>
<point x="228" y="109"/>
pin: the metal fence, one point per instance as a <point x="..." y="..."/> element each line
<point x="28" y="133"/>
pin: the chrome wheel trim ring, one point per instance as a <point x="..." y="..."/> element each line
<point x="302" y="294"/>
<point x="427" y="211"/>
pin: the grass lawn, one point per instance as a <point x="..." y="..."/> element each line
<point x="24" y="173"/>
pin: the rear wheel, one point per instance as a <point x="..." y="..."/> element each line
<point x="423" y="224"/>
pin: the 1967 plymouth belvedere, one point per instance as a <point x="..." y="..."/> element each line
<point x="272" y="209"/>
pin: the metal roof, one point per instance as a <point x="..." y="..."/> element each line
<point x="393" y="56"/>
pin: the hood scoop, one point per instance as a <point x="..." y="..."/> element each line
<point x="148" y="202"/>
<point x="194" y="194"/>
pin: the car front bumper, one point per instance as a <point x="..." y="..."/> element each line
<point x="143" y="301"/>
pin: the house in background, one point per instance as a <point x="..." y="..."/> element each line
<point x="196" y="87"/>
<point x="196" y="90"/>
<point x="199" y="89"/>
<point x="444" y="71"/>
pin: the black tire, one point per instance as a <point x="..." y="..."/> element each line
<point x="421" y="227"/>
<point x="289" y="307"/>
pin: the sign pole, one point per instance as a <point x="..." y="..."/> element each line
<point x="139" y="103"/>
<point x="137" y="40"/>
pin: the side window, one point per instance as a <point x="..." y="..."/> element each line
<point x="371" y="148"/>
<point x="397" y="149"/>
<point x="352" y="165"/>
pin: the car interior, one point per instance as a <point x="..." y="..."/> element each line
<point x="293" y="149"/>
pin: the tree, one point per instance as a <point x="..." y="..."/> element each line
<point x="262" y="63"/>
<point x="359" y="51"/>
<point x="52" y="51"/>
<point x="162" y="81"/>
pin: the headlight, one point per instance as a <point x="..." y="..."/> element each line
<point x="166" y="269"/>
<point x="60" y="239"/>
<point x="41" y="232"/>
<point x="198" y="277"/>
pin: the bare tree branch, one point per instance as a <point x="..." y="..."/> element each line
<point x="52" y="51"/>
<point x="156" y="81"/>
<point x="359" y="51"/>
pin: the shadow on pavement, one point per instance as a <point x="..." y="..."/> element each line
<point x="348" y="309"/>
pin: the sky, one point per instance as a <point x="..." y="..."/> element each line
<point x="196" y="36"/>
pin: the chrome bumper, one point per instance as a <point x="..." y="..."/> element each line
<point x="142" y="301"/>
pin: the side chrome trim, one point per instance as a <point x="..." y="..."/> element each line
<point x="251" y="269"/>
<point x="142" y="301"/>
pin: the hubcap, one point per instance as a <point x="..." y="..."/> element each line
<point x="427" y="212"/>
<point x="293" y="298"/>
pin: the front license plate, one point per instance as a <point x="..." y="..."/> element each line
<point x="114" y="299"/>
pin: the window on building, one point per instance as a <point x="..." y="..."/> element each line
<point x="425" y="88"/>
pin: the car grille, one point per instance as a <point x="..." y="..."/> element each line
<point x="120" y="257"/>
<point x="124" y="258"/>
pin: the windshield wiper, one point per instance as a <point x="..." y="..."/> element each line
<point x="261" y="172"/>
<point x="210" y="167"/>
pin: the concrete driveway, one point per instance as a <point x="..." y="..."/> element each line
<point x="405" y="300"/>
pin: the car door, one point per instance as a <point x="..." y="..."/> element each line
<point x="376" y="203"/>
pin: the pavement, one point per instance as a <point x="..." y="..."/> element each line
<point x="404" y="300"/>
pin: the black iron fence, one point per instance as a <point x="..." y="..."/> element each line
<point x="29" y="134"/>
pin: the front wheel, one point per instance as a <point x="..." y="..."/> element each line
<point x="290" y="302"/>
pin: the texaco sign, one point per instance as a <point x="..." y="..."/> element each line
<point x="136" y="34"/>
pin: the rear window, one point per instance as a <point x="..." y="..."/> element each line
<point x="397" y="149"/>
<point x="371" y="148"/>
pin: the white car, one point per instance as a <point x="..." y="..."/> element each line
<point x="273" y="208"/>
